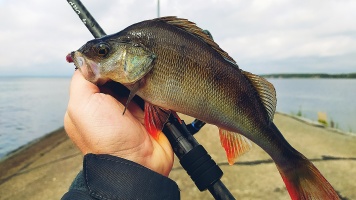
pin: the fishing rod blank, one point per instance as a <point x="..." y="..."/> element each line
<point x="87" y="18"/>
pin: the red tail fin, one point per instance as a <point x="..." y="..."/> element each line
<point x="305" y="182"/>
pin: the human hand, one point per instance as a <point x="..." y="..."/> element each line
<point x="95" y="123"/>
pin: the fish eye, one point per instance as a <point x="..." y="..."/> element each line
<point x="103" y="49"/>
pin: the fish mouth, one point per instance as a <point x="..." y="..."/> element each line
<point x="88" y="68"/>
<point x="69" y="58"/>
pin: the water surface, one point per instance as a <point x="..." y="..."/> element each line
<point x="29" y="109"/>
<point x="335" y="97"/>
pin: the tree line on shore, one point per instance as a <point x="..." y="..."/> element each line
<point x="314" y="75"/>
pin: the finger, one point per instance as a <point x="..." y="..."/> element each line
<point x="133" y="107"/>
<point x="136" y="111"/>
<point x="163" y="145"/>
<point x="116" y="88"/>
<point x="81" y="89"/>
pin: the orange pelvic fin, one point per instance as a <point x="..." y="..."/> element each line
<point x="304" y="181"/>
<point x="234" y="144"/>
<point x="155" y="118"/>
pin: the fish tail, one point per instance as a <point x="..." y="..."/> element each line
<point x="304" y="181"/>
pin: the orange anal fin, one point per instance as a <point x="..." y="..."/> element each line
<point x="304" y="181"/>
<point x="155" y="118"/>
<point x="234" y="144"/>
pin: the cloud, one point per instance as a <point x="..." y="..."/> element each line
<point x="263" y="36"/>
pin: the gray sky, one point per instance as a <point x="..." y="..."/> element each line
<point x="266" y="36"/>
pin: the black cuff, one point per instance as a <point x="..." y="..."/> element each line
<point x="109" y="177"/>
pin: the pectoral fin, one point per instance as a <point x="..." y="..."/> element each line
<point x="132" y="94"/>
<point x="234" y="144"/>
<point x="155" y="118"/>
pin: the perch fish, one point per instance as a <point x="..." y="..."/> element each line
<point x="176" y="67"/>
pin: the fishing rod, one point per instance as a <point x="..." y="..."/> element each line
<point x="87" y="19"/>
<point x="199" y="165"/>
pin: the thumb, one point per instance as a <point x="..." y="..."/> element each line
<point x="80" y="89"/>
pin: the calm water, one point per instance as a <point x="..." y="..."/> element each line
<point x="29" y="109"/>
<point x="32" y="107"/>
<point x="335" y="97"/>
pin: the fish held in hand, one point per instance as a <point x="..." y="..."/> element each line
<point x="176" y="67"/>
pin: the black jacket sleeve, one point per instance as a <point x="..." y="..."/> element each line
<point x="108" y="177"/>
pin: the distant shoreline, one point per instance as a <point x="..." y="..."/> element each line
<point x="311" y="122"/>
<point x="313" y="75"/>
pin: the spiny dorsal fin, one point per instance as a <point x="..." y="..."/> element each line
<point x="234" y="144"/>
<point x="192" y="28"/>
<point x="266" y="92"/>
